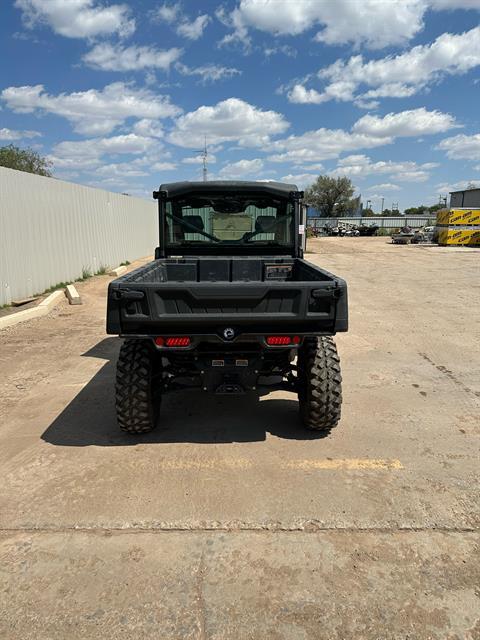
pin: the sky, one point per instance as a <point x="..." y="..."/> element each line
<point x="121" y="96"/>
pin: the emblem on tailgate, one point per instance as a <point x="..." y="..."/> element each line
<point x="228" y="333"/>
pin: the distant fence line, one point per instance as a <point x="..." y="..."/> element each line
<point x="384" y="222"/>
<point x="51" y="230"/>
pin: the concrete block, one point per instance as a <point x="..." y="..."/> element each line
<point x="35" y="312"/>
<point x="119" y="271"/>
<point x="72" y="295"/>
<point x="52" y="300"/>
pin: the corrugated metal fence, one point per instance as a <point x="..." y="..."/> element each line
<point x="50" y="231"/>
<point x="384" y="223"/>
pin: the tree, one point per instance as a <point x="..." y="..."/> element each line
<point x="330" y="195"/>
<point x="24" y="160"/>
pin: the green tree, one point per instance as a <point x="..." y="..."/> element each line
<point x="24" y="160"/>
<point x="330" y="195"/>
<point x="368" y="213"/>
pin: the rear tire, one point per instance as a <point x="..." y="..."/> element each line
<point x="319" y="384"/>
<point x="136" y="404"/>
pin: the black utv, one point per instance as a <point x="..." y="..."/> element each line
<point x="228" y="305"/>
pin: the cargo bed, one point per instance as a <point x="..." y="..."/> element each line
<point x="200" y="295"/>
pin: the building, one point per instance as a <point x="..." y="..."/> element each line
<point x="466" y="199"/>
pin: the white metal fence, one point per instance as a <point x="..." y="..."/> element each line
<point x="50" y="231"/>
<point x="384" y="223"/>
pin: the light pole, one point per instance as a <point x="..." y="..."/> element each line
<point x="383" y="200"/>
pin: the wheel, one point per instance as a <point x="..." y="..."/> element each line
<point x="136" y="403"/>
<point x="319" y="384"/>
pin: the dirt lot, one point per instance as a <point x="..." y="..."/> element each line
<point x="231" y="521"/>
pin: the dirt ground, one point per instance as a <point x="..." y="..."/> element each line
<point x="231" y="521"/>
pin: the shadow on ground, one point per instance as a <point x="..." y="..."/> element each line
<point x="186" y="416"/>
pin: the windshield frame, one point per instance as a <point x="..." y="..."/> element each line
<point x="242" y="246"/>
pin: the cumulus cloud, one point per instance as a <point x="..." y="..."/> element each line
<point x="12" y="134"/>
<point x="368" y="132"/>
<point x="208" y="72"/>
<point x="397" y="76"/>
<point x="109" y="57"/>
<point x="241" y="168"/>
<point x="92" y="112"/>
<point x="373" y="23"/>
<point x="229" y="120"/>
<point x="462" y="147"/>
<point x="360" y="166"/>
<point x="302" y="180"/>
<point x="193" y="30"/>
<point x="77" y="18"/>
<point x="186" y="28"/>
<point x="87" y="154"/>
<point x="413" y="122"/>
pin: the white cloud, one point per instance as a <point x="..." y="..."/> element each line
<point x="193" y="30"/>
<point x="368" y="132"/>
<point x="77" y="18"/>
<point x="395" y="76"/>
<point x="199" y="160"/>
<point x="360" y="166"/>
<point x="82" y="153"/>
<point x="92" y="112"/>
<point x="462" y="147"/>
<point x="12" y="134"/>
<point x="166" y="13"/>
<point x="445" y="187"/>
<point x="109" y="57"/>
<point x="146" y="127"/>
<point x="374" y="23"/>
<point x="302" y="180"/>
<point x="163" y="166"/>
<point x="208" y="72"/>
<point x="385" y="186"/>
<point x="241" y="168"/>
<point x="172" y="14"/>
<point x="229" y="120"/>
<point x="405" y="123"/>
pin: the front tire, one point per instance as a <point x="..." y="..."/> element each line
<point x="136" y="404"/>
<point x="319" y="384"/>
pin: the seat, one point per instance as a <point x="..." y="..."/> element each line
<point x="194" y="221"/>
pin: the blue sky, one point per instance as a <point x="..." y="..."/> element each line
<point x="120" y="95"/>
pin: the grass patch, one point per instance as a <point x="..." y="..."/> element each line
<point x="86" y="273"/>
<point x="125" y="264"/>
<point x="103" y="269"/>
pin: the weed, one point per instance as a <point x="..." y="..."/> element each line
<point x="103" y="269"/>
<point x="125" y="264"/>
<point x="86" y="273"/>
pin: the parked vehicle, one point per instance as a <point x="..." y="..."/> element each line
<point x="228" y="305"/>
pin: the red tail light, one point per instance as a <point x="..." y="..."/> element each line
<point x="275" y="341"/>
<point x="181" y="341"/>
<point x="159" y="341"/>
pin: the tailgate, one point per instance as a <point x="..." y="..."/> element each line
<point x="149" y="308"/>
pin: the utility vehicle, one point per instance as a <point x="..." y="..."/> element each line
<point x="228" y="305"/>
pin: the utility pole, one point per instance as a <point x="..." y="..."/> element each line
<point x="395" y="207"/>
<point x="383" y="200"/>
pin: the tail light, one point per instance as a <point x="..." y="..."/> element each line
<point x="277" y="341"/>
<point x="177" y="342"/>
<point x="180" y="341"/>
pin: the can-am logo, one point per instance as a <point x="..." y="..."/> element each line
<point x="228" y="333"/>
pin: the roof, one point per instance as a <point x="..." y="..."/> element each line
<point x="466" y="190"/>
<point x="235" y="186"/>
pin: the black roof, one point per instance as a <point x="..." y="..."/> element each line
<point x="235" y="186"/>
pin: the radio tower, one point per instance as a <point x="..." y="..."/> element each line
<point x="204" y="156"/>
